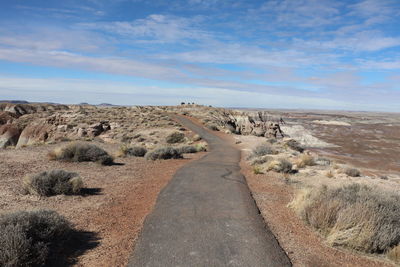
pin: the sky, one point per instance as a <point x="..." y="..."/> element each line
<point x="296" y="54"/>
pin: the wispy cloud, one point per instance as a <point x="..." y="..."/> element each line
<point x="299" y="50"/>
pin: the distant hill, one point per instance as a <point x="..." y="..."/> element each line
<point x="14" y="101"/>
<point x="106" y="105"/>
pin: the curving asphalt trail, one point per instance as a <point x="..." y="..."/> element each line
<point x="206" y="216"/>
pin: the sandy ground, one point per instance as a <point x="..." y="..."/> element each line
<point x="110" y="212"/>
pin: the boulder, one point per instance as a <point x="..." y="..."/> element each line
<point x="98" y="128"/>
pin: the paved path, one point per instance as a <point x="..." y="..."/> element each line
<point x="206" y="216"/>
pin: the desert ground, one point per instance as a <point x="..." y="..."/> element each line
<point x="311" y="174"/>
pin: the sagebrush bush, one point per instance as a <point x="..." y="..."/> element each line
<point x="163" y="153"/>
<point x="262" y="150"/>
<point x="54" y="182"/>
<point x="135" y="151"/>
<point x="79" y="152"/>
<point x="28" y="238"/>
<point x="280" y="165"/>
<point x="175" y="137"/>
<point x="293" y="144"/>
<point x="354" y="216"/>
<point x="352" y="172"/>
<point x="187" y="149"/>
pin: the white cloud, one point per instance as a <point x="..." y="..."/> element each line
<point x="156" y="27"/>
<point x="75" y="91"/>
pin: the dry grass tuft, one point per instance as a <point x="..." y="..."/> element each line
<point x="305" y="160"/>
<point x="352" y="216"/>
<point x="28" y="238"/>
<point x="329" y="174"/>
<point x="163" y="153"/>
<point x="257" y="170"/>
<point x="394" y="254"/>
<point x="196" y="138"/>
<point x="54" y="182"/>
<point x="78" y="152"/>
<point x="201" y="147"/>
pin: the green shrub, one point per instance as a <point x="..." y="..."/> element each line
<point x="54" y="182"/>
<point x="175" y="137"/>
<point x="79" y="152"/>
<point x="163" y="153"/>
<point x="28" y="238"/>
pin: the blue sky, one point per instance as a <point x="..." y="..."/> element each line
<point x="309" y="54"/>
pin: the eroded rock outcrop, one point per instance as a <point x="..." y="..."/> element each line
<point x="9" y="135"/>
<point x="36" y="132"/>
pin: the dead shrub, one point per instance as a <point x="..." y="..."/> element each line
<point x="163" y="153"/>
<point x="28" y="238"/>
<point x="78" y="152"/>
<point x="352" y="172"/>
<point x="353" y="216"/>
<point x="175" y="137"/>
<point x="54" y="182"/>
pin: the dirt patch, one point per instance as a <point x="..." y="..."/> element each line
<point x="112" y="208"/>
